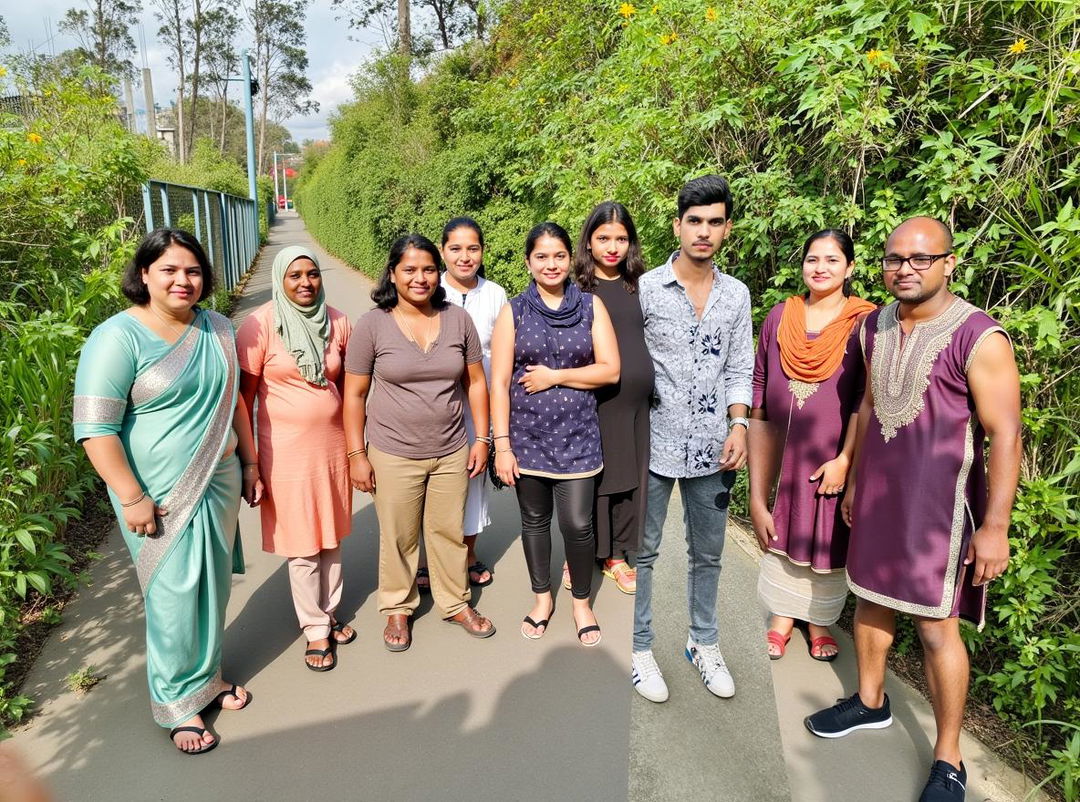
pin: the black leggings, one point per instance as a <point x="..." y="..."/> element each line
<point x="574" y="500"/>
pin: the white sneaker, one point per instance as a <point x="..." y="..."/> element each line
<point x="710" y="664"/>
<point x="648" y="681"/>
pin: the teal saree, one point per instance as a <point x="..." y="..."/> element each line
<point x="172" y="408"/>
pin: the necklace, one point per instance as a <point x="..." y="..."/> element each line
<point x="176" y="331"/>
<point x="412" y="334"/>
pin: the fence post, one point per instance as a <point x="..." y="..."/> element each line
<point x="148" y="207"/>
<point x="195" y="213"/>
<point x="209" y="227"/>
<point x="165" y="215"/>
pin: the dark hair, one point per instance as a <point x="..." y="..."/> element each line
<point x="841" y="238"/>
<point x="705" y="191"/>
<point x="150" y="250"/>
<point x="630" y="268"/>
<point x="464" y="222"/>
<point x="547" y="229"/>
<point x="385" y="293"/>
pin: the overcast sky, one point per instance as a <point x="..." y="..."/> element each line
<point x="332" y="56"/>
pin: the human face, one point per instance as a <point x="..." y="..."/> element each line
<point x="609" y="244"/>
<point x="174" y="280"/>
<point x="825" y="267"/>
<point x="549" y="263"/>
<point x="701" y="230"/>
<point x="916" y="238"/>
<point x="416" y="277"/>
<point x="463" y="255"/>
<point x="302" y="282"/>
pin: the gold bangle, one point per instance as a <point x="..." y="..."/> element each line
<point x="354" y="452"/>
<point x="142" y="495"/>
<point x="504" y="451"/>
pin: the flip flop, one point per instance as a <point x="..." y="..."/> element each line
<point x="340" y="627"/>
<point x="200" y="731"/>
<point x="231" y="692"/>
<point x="590" y="628"/>
<point x="774" y="638"/>
<point x="824" y="640"/>
<point x="321" y="653"/>
<point x="535" y="625"/>
<point x="478" y="567"/>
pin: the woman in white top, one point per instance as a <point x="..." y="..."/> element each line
<point x="465" y="285"/>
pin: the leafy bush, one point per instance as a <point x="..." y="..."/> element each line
<point x="853" y="114"/>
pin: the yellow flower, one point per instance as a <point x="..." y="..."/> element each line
<point x="3" y="70"/>
<point x="1018" y="47"/>
<point x="655" y="9"/>
<point x="541" y="100"/>
<point x="22" y="162"/>
<point x="668" y="38"/>
<point x="33" y="139"/>
<point x="711" y="15"/>
<point x="626" y="10"/>
<point x="873" y="56"/>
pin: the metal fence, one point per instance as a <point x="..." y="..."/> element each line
<point x="226" y="225"/>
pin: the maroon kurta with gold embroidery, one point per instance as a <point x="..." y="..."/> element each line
<point x="921" y="481"/>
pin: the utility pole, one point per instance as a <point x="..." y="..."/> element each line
<point x="276" y="194"/>
<point x="249" y="120"/>
<point x="129" y="101"/>
<point x="151" y="117"/>
<point x="285" y="180"/>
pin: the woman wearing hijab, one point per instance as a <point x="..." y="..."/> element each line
<point x="291" y="353"/>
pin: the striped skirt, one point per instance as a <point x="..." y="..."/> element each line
<point x="797" y="591"/>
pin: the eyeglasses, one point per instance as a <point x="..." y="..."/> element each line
<point x="921" y="261"/>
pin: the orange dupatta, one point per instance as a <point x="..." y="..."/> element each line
<point x="814" y="361"/>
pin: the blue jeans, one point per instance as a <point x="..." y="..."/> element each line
<point x="705" y="503"/>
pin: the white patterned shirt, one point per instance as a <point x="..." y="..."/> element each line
<point x="702" y="367"/>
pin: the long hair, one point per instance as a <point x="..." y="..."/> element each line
<point x="465" y="222"/>
<point x="631" y="268"/>
<point x="842" y="239"/>
<point x="385" y="294"/>
<point x="150" y="250"/>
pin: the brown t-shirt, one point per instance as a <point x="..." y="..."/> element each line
<point x="414" y="408"/>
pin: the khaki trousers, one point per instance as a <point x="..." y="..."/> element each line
<point x="411" y="494"/>
<point x="316" y="591"/>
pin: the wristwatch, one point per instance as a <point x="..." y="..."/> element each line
<point x="739" y="422"/>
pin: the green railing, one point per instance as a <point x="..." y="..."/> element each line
<point x="226" y="225"/>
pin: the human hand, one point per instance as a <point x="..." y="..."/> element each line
<point x="833" y="475"/>
<point x="989" y="551"/>
<point x="361" y="474"/>
<point x="506" y="467"/>
<point x="848" y="504"/>
<point x="764" y="525"/>
<point x="253" y="487"/>
<point x="478" y="459"/>
<point x="141" y="518"/>
<point x="538" y="378"/>
<point x="734" y="454"/>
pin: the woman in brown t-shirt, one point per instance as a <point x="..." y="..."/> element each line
<point x="406" y="435"/>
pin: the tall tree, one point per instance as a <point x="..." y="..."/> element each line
<point x="173" y="14"/>
<point x="194" y="29"/>
<point x="103" y="29"/>
<point x="222" y="61"/>
<point x="448" y="21"/>
<point x="280" y="62"/>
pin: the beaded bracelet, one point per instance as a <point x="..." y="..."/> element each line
<point x="142" y="495"/>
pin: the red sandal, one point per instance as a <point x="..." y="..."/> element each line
<point x="774" y="638"/>
<point x="825" y="640"/>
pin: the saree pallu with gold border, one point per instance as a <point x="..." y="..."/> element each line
<point x="172" y="407"/>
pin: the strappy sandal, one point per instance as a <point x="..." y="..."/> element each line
<point x="339" y="626"/>
<point x="825" y="640"/>
<point x="327" y="652"/>
<point x="590" y="628"/>
<point x="774" y="638"/>
<point x="478" y="567"/>
<point x="231" y="692"/>
<point x="536" y="625"/>
<point x="625" y="577"/>
<point x="422" y="574"/>
<point x="200" y="731"/>
<point x="566" y="583"/>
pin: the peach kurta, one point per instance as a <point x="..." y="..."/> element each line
<point x="308" y="502"/>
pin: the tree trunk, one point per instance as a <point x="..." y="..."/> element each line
<point x="181" y="142"/>
<point x="196" y="16"/>
<point x="404" y="28"/>
<point x="224" y="116"/>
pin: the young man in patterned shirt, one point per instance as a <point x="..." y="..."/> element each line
<point x="699" y="334"/>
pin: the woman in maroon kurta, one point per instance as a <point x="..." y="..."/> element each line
<point x="808" y="381"/>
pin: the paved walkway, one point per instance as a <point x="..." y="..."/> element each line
<point x="459" y="719"/>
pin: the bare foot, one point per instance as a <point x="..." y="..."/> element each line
<point x="541" y="611"/>
<point x="826" y="649"/>
<point x="779" y="623"/>
<point x="193" y="742"/>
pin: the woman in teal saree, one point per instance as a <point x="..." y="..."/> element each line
<point x="158" y="411"/>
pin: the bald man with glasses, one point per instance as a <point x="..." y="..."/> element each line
<point x="929" y="523"/>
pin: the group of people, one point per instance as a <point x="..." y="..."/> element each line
<point x="591" y="393"/>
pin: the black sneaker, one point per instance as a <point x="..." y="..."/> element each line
<point x="946" y="783"/>
<point x="848" y="715"/>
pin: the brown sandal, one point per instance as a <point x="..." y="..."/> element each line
<point x="397" y="626"/>
<point x="473" y="623"/>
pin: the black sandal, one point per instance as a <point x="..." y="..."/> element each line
<point x="536" y="625"/>
<point x="231" y="692"/>
<point x="583" y="630"/>
<point x="200" y="731"/>
<point x="320" y="653"/>
<point x="340" y="627"/>
<point x="478" y="567"/>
